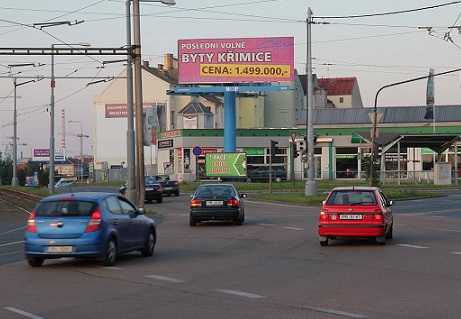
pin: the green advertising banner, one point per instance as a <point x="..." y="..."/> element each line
<point x="225" y="164"/>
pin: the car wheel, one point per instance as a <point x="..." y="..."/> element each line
<point x="389" y="234"/>
<point x="148" y="249"/>
<point x="110" y="254"/>
<point x="176" y="194"/>
<point x="35" y="261"/>
<point x="381" y="240"/>
<point x="323" y="240"/>
<point x="192" y="222"/>
<point x="239" y="221"/>
<point x="160" y="200"/>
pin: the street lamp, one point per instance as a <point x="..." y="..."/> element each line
<point x="136" y="59"/>
<point x="81" y="136"/>
<point x="51" y="173"/>
<point x="374" y="116"/>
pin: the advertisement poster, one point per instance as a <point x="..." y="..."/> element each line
<point x="236" y="60"/>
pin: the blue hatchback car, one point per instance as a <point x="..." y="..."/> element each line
<point x="87" y="224"/>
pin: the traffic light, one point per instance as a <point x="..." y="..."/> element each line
<point x="274" y="148"/>
<point x="302" y="145"/>
<point x="295" y="151"/>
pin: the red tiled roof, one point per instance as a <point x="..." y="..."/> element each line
<point x="337" y="86"/>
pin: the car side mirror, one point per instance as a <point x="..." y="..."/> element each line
<point x="141" y="211"/>
<point x="242" y="195"/>
<point x="391" y="203"/>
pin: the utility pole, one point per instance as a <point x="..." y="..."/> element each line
<point x="311" y="184"/>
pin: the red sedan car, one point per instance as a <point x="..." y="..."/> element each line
<point x="357" y="212"/>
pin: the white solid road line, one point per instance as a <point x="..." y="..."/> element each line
<point x="25" y="314"/>
<point x="12" y="243"/>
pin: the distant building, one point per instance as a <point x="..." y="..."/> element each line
<point x="342" y="92"/>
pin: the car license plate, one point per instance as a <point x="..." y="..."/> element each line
<point x="350" y="216"/>
<point x="168" y="188"/>
<point x="214" y="203"/>
<point x="149" y="189"/>
<point x="59" y="249"/>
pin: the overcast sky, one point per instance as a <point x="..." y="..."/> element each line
<point x="378" y="42"/>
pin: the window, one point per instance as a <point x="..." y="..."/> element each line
<point x="113" y="205"/>
<point x="127" y="208"/>
<point x="341" y="100"/>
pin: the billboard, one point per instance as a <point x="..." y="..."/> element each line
<point x="239" y="60"/>
<point x="43" y="154"/>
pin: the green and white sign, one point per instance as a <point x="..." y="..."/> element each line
<point x="226" y="164"/>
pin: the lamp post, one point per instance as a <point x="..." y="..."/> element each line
<point x="374" y="116"/>
<point x="139" y="99"/>
<point x="81" y="136"/>
<point x="51" y="173"/>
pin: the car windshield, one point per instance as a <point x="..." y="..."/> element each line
<point x="150" y="180"/>
<point x="216" y="191"/>
<point x="65" y="208"/>
<point x="351" y="197"/>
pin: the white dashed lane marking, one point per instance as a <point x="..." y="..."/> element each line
<point x="412" y="246"/>
<point x="23" y="313"/>
<point x="293" y="228"/>
<point x="240" y="293"/>
<point x="169" y="279"/>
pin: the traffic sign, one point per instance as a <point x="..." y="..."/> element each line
<point x="197" y="150"/>
<point x="225" y="164"/>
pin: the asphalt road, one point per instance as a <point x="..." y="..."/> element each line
<point x="271" y="267"/>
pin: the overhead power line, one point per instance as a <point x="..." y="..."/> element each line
<point x="387" y="13"/>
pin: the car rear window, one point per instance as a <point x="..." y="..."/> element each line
<point x="65" y="208"/>
<point x="351" y="198"/>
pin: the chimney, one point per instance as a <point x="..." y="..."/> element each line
<point x="145" y="63"/>
<point x="160" y="67"/>
<point x="168" y="59"/>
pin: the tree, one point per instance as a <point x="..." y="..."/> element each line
<point x="6" y="170"/>
<point x="376" y="181"/>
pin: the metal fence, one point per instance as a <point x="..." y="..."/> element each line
<point x="387" y="177"/>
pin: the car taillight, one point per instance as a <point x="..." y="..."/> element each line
<point x="196" y="203"/>
<point x="160" y="190"/>
<point x="324" y="215"/>
<point x="232" y="202"/>
<point x="31" y="227"/>
<point x="95" y="222"/>
<point x="378" y="214"/>
<point x="175" y="183"/>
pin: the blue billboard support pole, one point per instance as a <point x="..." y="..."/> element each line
<point x="230" y="128"/>
<point x="230" y="96"/>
